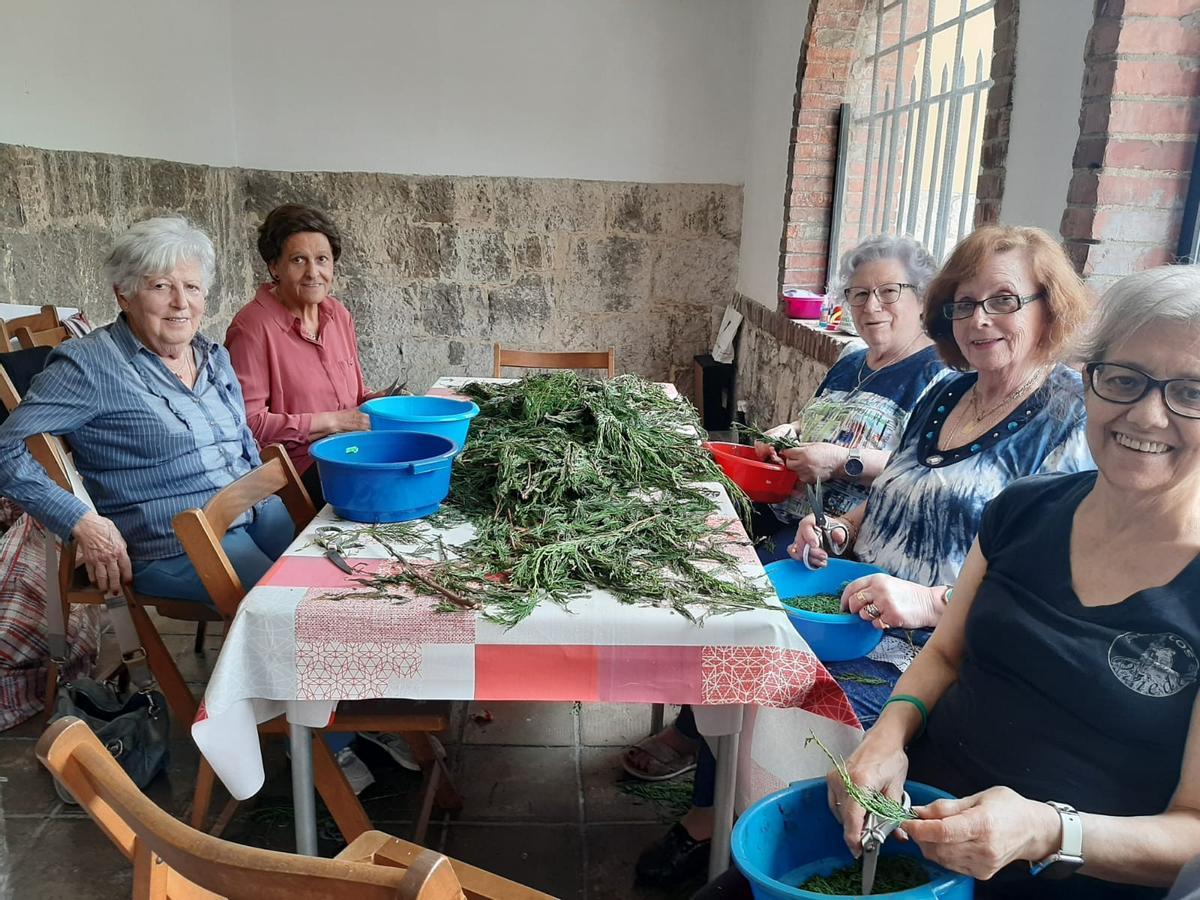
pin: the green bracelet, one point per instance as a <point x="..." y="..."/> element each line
<point x="915" y="701"/>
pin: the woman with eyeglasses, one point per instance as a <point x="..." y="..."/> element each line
<point x="1001" y="311"/>
<point x="1058" y="696"/>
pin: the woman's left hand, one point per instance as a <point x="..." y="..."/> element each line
<point x="981" y="834"/>
<point x="815" y="462"/>
<point x="890" y="602"/>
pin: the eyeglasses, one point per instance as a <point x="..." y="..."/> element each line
<point x="887" y="293"/>
<point x="1125" y="384"/>
<point x="1000" y="305"/>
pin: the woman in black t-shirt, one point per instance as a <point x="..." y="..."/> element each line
<point x="1060" y="686"/>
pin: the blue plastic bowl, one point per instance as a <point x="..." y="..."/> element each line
<point x="832" y="638"/>
<point x="432" y="415"/>
<point x="384" y="476"/>
<point x="789" y="836"/>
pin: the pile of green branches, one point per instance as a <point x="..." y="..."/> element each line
<point x="572" y="483"/>
<point x="894" y="873"/>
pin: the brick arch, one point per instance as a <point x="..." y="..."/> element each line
<point x="827" y="56"/>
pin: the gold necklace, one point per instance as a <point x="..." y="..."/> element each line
<point x="188" y="367"/>
<point x="882" y="365"/>
<point x="979" y="417"/>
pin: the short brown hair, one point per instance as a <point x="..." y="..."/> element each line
<point x="292" y="218"/>
<point x="1067" y="299"/>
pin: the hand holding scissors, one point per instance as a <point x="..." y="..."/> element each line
<point x="834" y="538"/>
<point x="876" y="830"/>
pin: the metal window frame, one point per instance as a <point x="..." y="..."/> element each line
<point x="898" y="122"/>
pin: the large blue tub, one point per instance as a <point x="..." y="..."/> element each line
<point x="432" y="415"/>
<point x="384" y="476"/>
<point x="789" y="836"/>
<point x="832" y="638"/>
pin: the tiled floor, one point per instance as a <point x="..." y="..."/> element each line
<point x="539" y="781"/>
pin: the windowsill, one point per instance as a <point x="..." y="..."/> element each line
<point x="815" y="325"/>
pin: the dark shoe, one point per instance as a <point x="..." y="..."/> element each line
<point x="673" y="859"/>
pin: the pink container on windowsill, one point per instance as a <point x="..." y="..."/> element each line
<point x="802" y="304"/>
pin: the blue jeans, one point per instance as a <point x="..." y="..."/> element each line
<point x="251" y="550"/>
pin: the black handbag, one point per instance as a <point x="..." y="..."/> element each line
<point x="133" y="724"/>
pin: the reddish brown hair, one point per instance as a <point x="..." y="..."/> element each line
<point x="1067" y="299"/>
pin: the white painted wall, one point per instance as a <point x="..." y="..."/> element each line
<point x="1045" y="122"/>
<point x="776" y="30"/>
<point x="638" y="90"/>
<point x="140" y="77"/>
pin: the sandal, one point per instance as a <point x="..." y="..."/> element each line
<point x="665" y="762"/>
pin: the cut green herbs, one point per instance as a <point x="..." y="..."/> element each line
<point x="672" y="798"/>
<point x="871" y="800"/>
<point x="894" y="873"/>
<point x="826" y="604"/>
<point x="571" y="483"/>
<point x="777" y="442"/>
<point x="859" y="678"/>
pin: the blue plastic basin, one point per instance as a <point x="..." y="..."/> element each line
<point x="789" y="836"/>
<point x="832" y="638"/>
<point x="384" y="476"/>
<point x="431" y="415"/>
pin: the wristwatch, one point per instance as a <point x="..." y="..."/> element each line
<point x="1069" y="856"/>
<point x="853" y="467"/>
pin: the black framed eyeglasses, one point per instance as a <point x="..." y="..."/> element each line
<point x="1000" y="305"/>
<point x="887" y="293"/>
<point x="1127" y="385"/>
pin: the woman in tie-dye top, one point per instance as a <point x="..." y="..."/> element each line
<point x="1001" y="312"/>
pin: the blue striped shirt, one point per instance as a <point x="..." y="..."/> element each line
<point x="146" y="446"/>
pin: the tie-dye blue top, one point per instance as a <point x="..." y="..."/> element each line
<point x="859" y="407"/>
<point x="924" y="510"/>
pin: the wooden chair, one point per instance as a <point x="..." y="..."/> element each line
<point x="530" y="359"/>
<point x="174" y="862"/>
<point x="43" y="320"/>
<point x="200" y="531"/>
<point x="49" y="337"/>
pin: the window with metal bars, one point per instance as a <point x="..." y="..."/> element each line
<point x="910" y="157"/>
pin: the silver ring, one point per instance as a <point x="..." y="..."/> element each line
<point x="873" y="611"/>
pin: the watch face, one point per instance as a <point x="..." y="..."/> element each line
<point x="854" y="467"/>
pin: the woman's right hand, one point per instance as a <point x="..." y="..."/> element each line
<point x="102" y="549"/>
<point x="807" y="536"/>
<point x="336" y="421"/>
<point x="877" y="764"/>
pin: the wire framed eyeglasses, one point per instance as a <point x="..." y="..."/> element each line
<point x="1127" y="385"/>
<point x="887" y="293"/>
<point x="1000" y="305"/>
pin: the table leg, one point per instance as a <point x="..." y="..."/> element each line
<point x="657" y="714"/>
<point x="304" y="801"/>
<point x="727" y="754"/>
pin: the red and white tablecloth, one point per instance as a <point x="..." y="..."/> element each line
<point x="301" y="641"/>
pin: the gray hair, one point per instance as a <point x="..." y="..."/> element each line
<point x="156" y="247"/>
<point x="909" y="252"/>
<point x="1164" y="294"/>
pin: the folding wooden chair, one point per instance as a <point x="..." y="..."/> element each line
<point x="48" y="337"/>
<point x="43" y="320"/>
<point x="200" y="531"/>
<point x="174" y="862"/>
<point x="530" y="359"/>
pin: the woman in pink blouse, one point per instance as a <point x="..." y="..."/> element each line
<point x="293" y="346"/>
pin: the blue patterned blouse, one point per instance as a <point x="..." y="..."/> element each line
<point x="924" y="510"/>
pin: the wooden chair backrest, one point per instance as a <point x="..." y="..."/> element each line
<point x="530" y="359"/>
<point x="201" y="530"/>
<point x="43" y="319"/>
<point x="49" y="337"/>
<point x="172" y="860"/>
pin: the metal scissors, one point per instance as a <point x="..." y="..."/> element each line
<point x="875" y="832"/>
<point x="327" y="537"/>
<point x="830" y="543"/>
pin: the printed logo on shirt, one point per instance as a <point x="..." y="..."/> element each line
<point x="1153" y="665"/>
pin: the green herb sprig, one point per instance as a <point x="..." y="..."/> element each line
<point x="871" y="800"/>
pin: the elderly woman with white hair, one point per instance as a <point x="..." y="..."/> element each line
<point x="1058" y="696"/>
<point x="155" y="419"/>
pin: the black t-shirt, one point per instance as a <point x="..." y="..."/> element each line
<point x="1084" y="705"/>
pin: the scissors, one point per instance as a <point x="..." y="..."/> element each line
<point x="830" y="543"/>
<point x="327" y="536"/>
<point x="875" y="832"/>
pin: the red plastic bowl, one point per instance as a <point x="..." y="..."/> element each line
<point x="763" y="482"/>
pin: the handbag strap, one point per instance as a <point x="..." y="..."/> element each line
<point x="132" y="652"/>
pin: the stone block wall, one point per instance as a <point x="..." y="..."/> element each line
<point x="434" y="269"/>
<point x="779" y="364"/>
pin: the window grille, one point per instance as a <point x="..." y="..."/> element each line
<point x="913" y="152"/>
